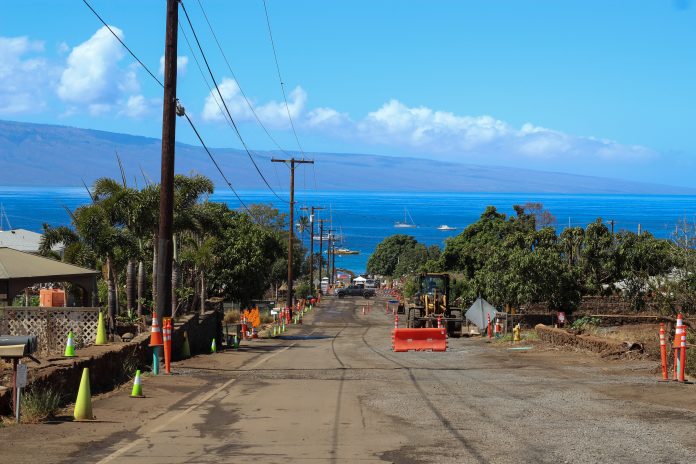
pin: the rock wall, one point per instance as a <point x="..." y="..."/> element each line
<point x="111" y="365"/>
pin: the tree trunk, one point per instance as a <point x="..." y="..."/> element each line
<point x="130" y="287"/>
<point x="154" y="273"/>
<point x="175" y="284"/>
<point x="175" y="276"/>
<point x="141" y="286"/>
<point x="203" y="292"/>
<point x="111" y="300"/>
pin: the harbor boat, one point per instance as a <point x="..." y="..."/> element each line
<point x="405" y="224"/>
<point x="446" y="227"/>
<point x="346" y="251"/>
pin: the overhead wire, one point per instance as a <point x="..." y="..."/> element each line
<point x="122" y="43"/>
<point x="234" y="76"/>
<point x="195" y="130"/>
<point x="227" y="110"/>
<point x="280" y="78"/>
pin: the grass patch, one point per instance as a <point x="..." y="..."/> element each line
<point x="40" y="404"/>
<point x="530" y="336"/>
<point x="586" y="324"/>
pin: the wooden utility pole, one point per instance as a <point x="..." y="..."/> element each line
<point x="312" y="209"/>
<point x="291" y="227"/>
<point x="321" y="246"/>
<point x="329" y="252"/>
<point x="166" y="211"/>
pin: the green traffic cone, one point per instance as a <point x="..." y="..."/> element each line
<point x="83" y="404"/>
<point x="137" y="391"/>
<point x="101" y="331"/>
<point x="70" y="346"/>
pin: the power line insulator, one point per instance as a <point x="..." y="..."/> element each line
<point x="180" y="110"/>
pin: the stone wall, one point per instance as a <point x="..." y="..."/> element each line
<point x="111" y="365"/>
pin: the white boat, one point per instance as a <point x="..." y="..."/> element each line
<point x="405" y="224"/>
<point x="346" y="251"/>
<point x="446" y="227"/>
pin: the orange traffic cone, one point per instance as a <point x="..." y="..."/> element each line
<point x="663" y="352"/>
<point x="156" y="332"/>
<point x="167" y="322"/>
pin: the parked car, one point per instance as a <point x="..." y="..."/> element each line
<point x="355" y="290"/>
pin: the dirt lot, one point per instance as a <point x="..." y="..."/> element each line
<point x="333" y="391"/>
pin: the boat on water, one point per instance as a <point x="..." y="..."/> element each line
<point x="405" y="224"/>
<point x="446" y="227"/>
<point x="346" y="251"/>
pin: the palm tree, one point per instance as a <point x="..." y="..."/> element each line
<point x="187" y="194"/>
<point x="198" y="251"/>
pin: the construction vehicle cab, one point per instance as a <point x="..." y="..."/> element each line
<point x="431" y="302"/>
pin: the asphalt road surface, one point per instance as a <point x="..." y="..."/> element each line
<point x="333" y="391"/>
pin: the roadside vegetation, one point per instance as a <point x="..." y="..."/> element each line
<point x="521" y="259"/>
<point x="234" y="254"/>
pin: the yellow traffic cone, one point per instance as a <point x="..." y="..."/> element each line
<point x="137" y="391"/>
<point x="70" y="346"/>
<point x="213" y="347"/>
<point x="186" y="348"/>
<point x="101" y="331"/>
<point x="83" y="404"/>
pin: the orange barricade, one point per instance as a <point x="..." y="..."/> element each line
<point x="419" y="339"/>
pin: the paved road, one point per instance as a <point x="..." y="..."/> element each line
<point x="333" y="391"/>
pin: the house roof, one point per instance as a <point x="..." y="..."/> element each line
<point x="15" y="264"/>
<point x="20" y="239"/>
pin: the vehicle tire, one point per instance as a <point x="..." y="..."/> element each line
<point x="341" y="295"/>
<point x="366" y="295"/>
<point x="411" y="321"/>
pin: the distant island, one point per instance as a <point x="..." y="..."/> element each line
<point x="50" y="155"/>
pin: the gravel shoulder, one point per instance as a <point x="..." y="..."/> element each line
<point x="333" y="391"/>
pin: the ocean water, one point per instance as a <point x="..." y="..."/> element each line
<point x="365" y="218"/>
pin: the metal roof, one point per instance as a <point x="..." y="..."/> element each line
<point x="15" y="264"/>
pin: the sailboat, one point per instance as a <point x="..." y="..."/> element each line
<point x="405" y="224"/>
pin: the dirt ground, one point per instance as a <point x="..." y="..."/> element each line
<point x="333" y="391"/>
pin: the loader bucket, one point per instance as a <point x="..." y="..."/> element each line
<point x="419" y="340"/>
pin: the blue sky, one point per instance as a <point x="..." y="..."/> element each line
<point x="589" y="87"/>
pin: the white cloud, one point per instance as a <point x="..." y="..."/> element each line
<point x="273" y="114"/>
<point x="181" y="64"/>
<point x="425" y="131"/>
<point x="94" y="80"/>
<point x="446" y="135"/>
<point x="138" y="106"/>
<point x="24" y="79"/>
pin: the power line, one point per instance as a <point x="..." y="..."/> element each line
<point x="217" y="166"/>
<point x="280" y="78"/>
<point x="234" y="76"/>
<point x="124" y="45"/>
<point x="182" y="112"/>
<point x="217" y="88"/>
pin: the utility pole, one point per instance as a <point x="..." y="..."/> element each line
<point x="333" y="260"/>
<point x="328" y="257"/>
<point x="312" y="209"/>
<point x="291" y="227"/>
<point x="166" y="211"/>
<point x="321" y="246"/>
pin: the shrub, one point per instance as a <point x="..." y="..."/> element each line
<point x="585" y="323"/>
<point x="40" y="404"/>
<point x="232" y="316"/>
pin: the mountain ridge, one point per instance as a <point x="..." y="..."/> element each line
<point x="27" y="149"/>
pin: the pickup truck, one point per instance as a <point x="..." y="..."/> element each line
<point x="355" y="290"/>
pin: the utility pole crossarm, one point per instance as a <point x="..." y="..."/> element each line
<point x="292" y="162"/>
